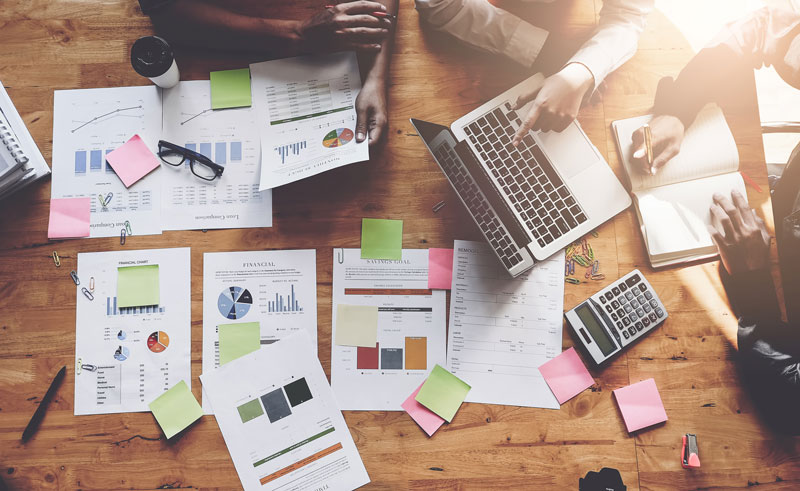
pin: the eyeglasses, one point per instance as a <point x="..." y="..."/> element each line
<point x="201" y="166"/>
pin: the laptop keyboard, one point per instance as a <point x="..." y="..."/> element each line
<point x="527" y="177"/>
<point x="479" y="207"/>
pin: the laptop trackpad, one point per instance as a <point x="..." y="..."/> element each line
<point x="569" y="151"/>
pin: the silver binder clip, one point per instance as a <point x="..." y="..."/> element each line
<point x="74" y="277"/>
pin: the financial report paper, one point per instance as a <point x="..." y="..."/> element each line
<point x="503" y="328"/>
<point x="411" y="329"/>
<point x="280" y="421"/>
<point x="277" y="289"/>
<point x="306" y="115"/>
<point x="138" y="352"/>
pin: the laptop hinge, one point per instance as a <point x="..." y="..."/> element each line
<point x="489" y="189"/>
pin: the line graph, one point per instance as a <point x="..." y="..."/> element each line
<point x="192" y="116"/>
<point x="97" y="118"/>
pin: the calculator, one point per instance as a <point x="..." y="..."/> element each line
<point x="617" y="316"/>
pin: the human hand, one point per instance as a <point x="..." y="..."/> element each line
<point x="667" y="135"/>
<point x="346" y="26"/>
<point x="740" y="235"/>
<point x="371" y="112"/>
<point x="557" y="102"/>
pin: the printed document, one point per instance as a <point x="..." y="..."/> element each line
<point x="411" y="329"/>
<point x="87" y="125"/>
<point x="280" y="421"/>
<point x="503" y="328"/>
<point x="277" y="289"/>
<point x="306" y="115"/>
<point x="127" y="356"/>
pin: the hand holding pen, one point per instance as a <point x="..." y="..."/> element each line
<point x="656" y="143"/>
<point x="361" y="26"/>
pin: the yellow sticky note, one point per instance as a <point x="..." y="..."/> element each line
<point x="176" y="409"/>
<point x="356" y="325"/>
<point x="237" y="340"/>
<point x="137" y="285"/>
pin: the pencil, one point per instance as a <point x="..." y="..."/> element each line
<point x="750" y="181"/>
<point x="648" y="147"/>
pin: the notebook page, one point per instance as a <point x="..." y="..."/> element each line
<point x="676" y="216"/>
<point x="708" y="149"/>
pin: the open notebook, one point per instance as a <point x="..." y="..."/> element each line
<point x="673" y="206"/>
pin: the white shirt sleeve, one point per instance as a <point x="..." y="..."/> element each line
<point x="616" y="38"/>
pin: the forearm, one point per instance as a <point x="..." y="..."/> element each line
<point x="207" y="24"/>
<point x="375" y="66"/>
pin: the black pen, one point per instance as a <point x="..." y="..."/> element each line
<point x="38" y="416"/>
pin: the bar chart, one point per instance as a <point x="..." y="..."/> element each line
<point x="219" y="152"/>
<point x="112" y="309"/>
<point x="95" y="159"/>
<point x="287" y="303"/>
<point x="294" y="148"/>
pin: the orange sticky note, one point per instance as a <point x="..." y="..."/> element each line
<point x="440" y="268"/>
<point x="132" y="161"/>
<point x="69" y="218"/>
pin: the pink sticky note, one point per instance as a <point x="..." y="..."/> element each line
<point x="132" y="161"/>
<point x="440" y="268"/>
<point x="640" y="405"/>
<point x="425" y="418"/>
<point x="69" y="218"/>
<point x="566" y="375"/>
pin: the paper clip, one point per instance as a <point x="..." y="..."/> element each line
<point x="74" y="277"/>
<point x="108" y="198"/>
<point x="87" y="293"/>
<point x="571" y="266"/>
<point x="122" y="236"/>
<point x="438" y="206"/>
<point x="340" y="256"/>
<point x="56" y="259"/>
<point x="128" y="228"/>
<point x="574" y="281"/>
<point x="588" y="274"/>
<point x="595" y="267"/>
<point x="598" y="276"/>
<point x="101" y="200"/>
<point x="89" y="368"/>
<point x="595" y="234"/>
<point x="91" y="284"/>
<point x="566" y="268"/>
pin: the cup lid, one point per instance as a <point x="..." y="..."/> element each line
<point x="151" y="56"/>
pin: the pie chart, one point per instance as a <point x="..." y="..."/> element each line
<point x="157" y="342"/>
<point x="337" y="137"/>
<point x="122" y="353"/>
<point x="234" y="302"/>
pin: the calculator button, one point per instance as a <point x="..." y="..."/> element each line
<point x="652" y="317"/>
<point x="615" y="291"/>
<point x="642" y="287"/>
<point x="625" y="333"/>
<point x="619" y="325"/>
<point x="641" y="300"/>
<point x="626" y="321"/>
<point x="603" y="299"/>
<point x="628" y="308"/>
<point x="639" y="326"/>
<point x="632" y="280"/>
<point x="629" y="295"/>
<point x="623" y="287"/>
<point x="632" y="330"/>
<point x="634" y="303"/>
<point x="614" y="317"/>
<point x="615" y="304"/>
<point x="633" y="317"/>
<point x="659" y="312"/>
<point x="654" y="303"/>
<point x="620" y="313"/>
<point x="640" y="312"/>
<point x="647" y="308"/>
<point x="648" y="295"/>
<point x="622" y="299"/>
<point x="608" y="309"/>
<point x="646" y="321"/>
<point x="609" y="295"/>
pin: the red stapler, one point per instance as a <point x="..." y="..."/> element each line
<point x="689" y="457"/>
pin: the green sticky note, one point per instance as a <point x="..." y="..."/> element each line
<point x="176" y="409"/>
<point x="230" y="88"/>
<point x="237" y="340"/>
<point x="443" y="393"/>
<point x="356" y="325"/>
<point x="381" y="239"/>
<point x="137" y="285"/>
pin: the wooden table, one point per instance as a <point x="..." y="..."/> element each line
<point x="65" y="44"/>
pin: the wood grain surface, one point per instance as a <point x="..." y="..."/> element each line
<point x="64" y="44"/>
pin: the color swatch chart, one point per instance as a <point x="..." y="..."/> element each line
<point x="414" y="356"/>
<point x="276" y="404"/>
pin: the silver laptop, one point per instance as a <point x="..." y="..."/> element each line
<point x="532" y="200"/>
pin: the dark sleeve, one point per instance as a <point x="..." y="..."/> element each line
<point x="153" y="6"/>
<point x="768" y="356"/>
<point x="706" y="78"/>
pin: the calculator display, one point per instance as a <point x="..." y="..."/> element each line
<point x="597" y="331"/>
